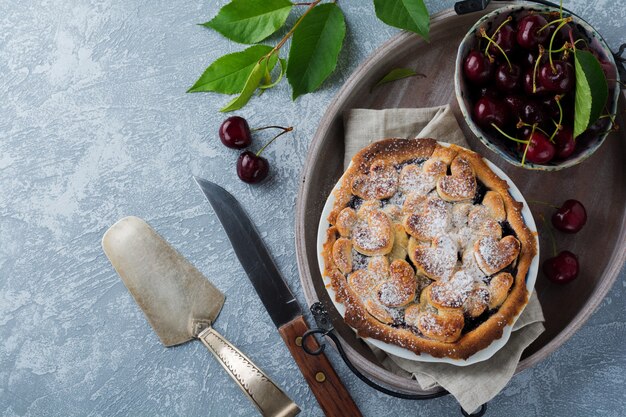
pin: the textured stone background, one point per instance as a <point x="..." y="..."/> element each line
<point x="96" y="125"/>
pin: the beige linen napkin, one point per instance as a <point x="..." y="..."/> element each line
<point x="471" y="385"/>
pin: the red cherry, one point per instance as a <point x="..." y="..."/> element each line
<point x="528" y="35"/>
<point x="527" y="58"/>
<point x="571" y="217"/>
<point x="252" y="168"/>
<point x="528" y="84"/>
<point x="550" y="107"/>
<point x="477" y="67"/>
<point x="563" y="34"/>
<point x="565" y="143"/>
<point x="540" y="150"/>
<point x="516" y="104"/>
<point x="508" y="79"/>
<point x="235" y="132"/>
<point x="488" y="110"/>
<point x="526" y="131"/>
<point x="532" y="112"/>
<point x="488" y="92"/>
<point x="561" y="79"/>
<point x="561" y="269"/>
<point x="505" y="38"/>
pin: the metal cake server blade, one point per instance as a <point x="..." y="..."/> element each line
<point x="181" y="304"/>
<point x="172" y="293"/>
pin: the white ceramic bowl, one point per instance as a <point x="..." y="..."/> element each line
<point x="479" y="356"/>
<point x="585" y="149"/>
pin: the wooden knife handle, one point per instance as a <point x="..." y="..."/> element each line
<point x="331" y="394"/>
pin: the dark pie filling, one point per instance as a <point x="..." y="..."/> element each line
<point x="414" y="161"/>
<point x="355" y="202"/>
<point x="507" y="230"/>
<point x="481" y="190"/>
<point x="472" y="323"/>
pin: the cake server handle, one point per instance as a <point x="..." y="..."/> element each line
<point x="270" y="400"/>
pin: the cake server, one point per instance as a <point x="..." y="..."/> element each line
<point x="282" y="306"/>
<point x="181" y="304"/>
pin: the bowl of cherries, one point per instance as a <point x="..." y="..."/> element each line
<point x="537" y="85"/>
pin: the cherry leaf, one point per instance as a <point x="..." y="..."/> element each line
<point x="411" y="15"/>
<point x="250" y="21"/>
<point x="315" y="48"/>
<point x="228" y="74"/>
<point x="591" y="90"/>
<point x="254" y="79"/>
<point x="398" y="74"/>
<point x="272" y="84"/>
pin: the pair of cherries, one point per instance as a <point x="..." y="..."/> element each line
<point x="569" y="218"/>
<point x="235" y="133"/>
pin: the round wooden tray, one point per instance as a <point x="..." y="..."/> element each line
<point x="599" y="182"/>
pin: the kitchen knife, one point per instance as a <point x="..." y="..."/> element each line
<point x="282" y="306"/>
<point x="181" y="304"/>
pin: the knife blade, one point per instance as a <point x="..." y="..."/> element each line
<point x="332" y="396"/>
<point x="181" y="304"/>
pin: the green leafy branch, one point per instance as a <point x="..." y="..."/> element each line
<point x="316" y="41"/>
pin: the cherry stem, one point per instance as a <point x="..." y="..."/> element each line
<point x="611" y="116"/>
<point x="566" y="47"/>
<point x="541" y="130"/>
<point x="559" y="20"/>
<point x="287" y="129"/>
<point x="546" y="13"/>
<point x="507" y="20"/>
<point x="559" y="125"/>
<point x="613" y="128"/>
<point x="484" y="35"/>
<point x="541" y="50"/>
<point x="563" y="23"/>
<point x="557" y="128"/>
<point x="522" y="124"/>
<point x="532" y="132"/>
<point x="256" y="129"/>
<point x="552" y="239"/>
<point x="543" y="203"/>
<point x="293" y="29"/>
<point x="507" y="135"/>
<point x="571" y="39"/>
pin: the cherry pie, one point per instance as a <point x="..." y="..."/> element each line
<point x="426" y="248"/>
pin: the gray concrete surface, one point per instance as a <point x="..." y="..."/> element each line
<point x="95" y="125"/>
